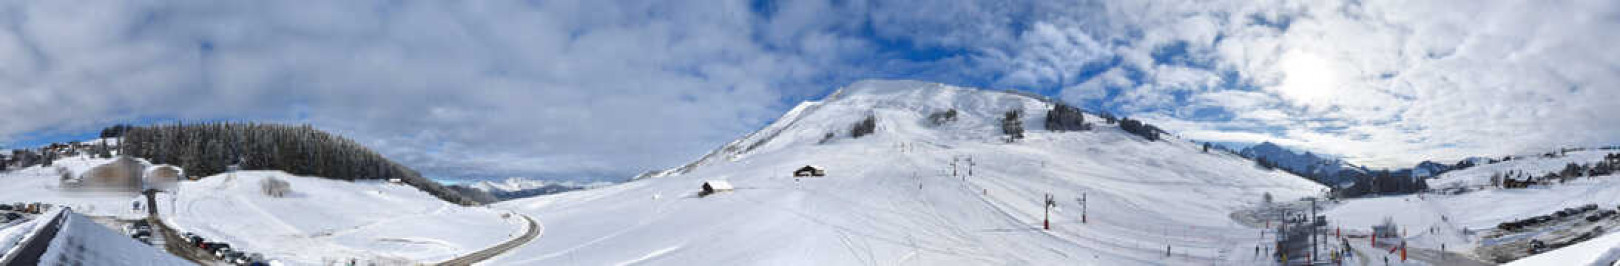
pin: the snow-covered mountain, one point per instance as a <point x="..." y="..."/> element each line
<point x="1428" y="169"/>
<point x="917" y="191"/>
<point x="517" y="187"/>
<point x="1326" y="170"/>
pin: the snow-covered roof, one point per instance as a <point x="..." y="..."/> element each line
<point x="718" y="184"/>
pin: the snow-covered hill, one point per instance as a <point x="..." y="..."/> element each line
<point x="320" y="220"/>
<point x="1536" y="165"/>
<point x="892" y="198"/>
<point x="324" y="220"/>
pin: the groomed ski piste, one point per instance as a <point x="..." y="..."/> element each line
<point x="891" y="198"/>
<point x="1459" y="221"/>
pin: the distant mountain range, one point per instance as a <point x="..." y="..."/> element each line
<point x="1336" y="172"/>
<point x="517" y="187"/>
<point x="1326" y="170"/>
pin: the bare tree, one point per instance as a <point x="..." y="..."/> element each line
<point x="275" y="187"/>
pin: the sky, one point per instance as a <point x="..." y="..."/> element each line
<point x="606" y="89"/>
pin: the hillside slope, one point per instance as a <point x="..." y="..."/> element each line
<point x="323" y="220"/>
<point x="891" y="197"/>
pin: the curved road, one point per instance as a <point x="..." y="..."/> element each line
<point x="491" y="252"/>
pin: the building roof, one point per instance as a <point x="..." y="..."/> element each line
<point x="718" y="184"/>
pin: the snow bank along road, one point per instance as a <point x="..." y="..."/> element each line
<point x="30" y="251"/>
<point x="175" y="245"/>
<point x="491" y="252"/>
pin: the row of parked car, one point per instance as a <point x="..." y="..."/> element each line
<point x="18" y="211"/>
<point x="224" y="252"/>
<point x="1558" y="215"/>
<point x="140" y="230"/>
<point x="29" y="208"/>
<point x="8" y="216"/>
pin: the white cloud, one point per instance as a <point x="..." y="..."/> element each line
<point x="556" y="88"/>
<point x="1395" y="81"/>
<point x="611" y="87"/>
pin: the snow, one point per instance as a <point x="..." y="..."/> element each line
<point x="42" y="184"/>
<point x="1480" y="210"/>
<point x="891" y="198"/>
<point x="12" y="233"/>
<point x="1604" y="250"/>
<point x="329" y="220"/>
<point x="518" y="184"/>
<point x="81" y="241"/>
<point x="1535" y="165"/>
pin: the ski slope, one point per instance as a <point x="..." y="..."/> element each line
<point x="324" y="220"/>
<point x="1479" y="211"/>
<point x="892" y="198"/>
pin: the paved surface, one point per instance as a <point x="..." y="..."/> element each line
<point x="475" y="257"/>
<point x="178" y="246"/>
<point x="30" y="251"/>
<point x="1374" y="256"/>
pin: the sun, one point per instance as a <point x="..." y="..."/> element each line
<point x="1308" y="78"/>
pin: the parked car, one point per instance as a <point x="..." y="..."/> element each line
<point x="214" y="247"/>
<point x="235" y="257"/>
<point x="221" y="252"/>
<point x="139" y="232"/>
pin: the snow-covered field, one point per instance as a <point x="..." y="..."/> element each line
<point x="42" y="184"/>
<point x="1481" y="210"/>
<point x="891" y="197"/>
<point x="322" y="219"/>
<point x="325" y="220"/>
<point x="1535" y="165"/>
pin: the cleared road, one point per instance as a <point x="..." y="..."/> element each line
<point x="32" y="249"/>
<point x="475" y="257"/>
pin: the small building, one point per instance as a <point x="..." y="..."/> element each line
<point x="1387" y="230"/>
<point x="810" y="171"/>
<point x="715" y="186"/>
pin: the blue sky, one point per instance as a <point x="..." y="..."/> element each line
<point x="607" y="89"/>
